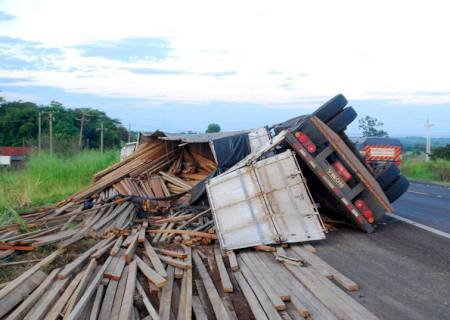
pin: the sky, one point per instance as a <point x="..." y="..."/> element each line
<point x="179" y="65"/>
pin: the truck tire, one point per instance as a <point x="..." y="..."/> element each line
<point x="342" y="120"/>
<point x="388" y="176"/>
<point x="331" y="108"/>
<point x="398" y="188"/>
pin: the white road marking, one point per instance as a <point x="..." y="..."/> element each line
<point x="417" y="192"/>
<point x="419" y="225"/>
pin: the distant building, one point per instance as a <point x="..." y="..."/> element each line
<point x="13" y="156"/>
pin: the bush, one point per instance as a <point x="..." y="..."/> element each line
<point x="436" y="170"/>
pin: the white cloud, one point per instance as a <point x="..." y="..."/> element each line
<point x="394" y="48"/>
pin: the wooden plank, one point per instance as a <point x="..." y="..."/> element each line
<point x="310" y="248"/>
<point x="263" y="298"/>
<point x="154" y="290"/>
<point x="100" y="252"/>
<point x="341" y="304"/>
<point x="301" y="298"/>
<point x="274" y="298"/>
<point x="154" y="258"/>
<point x="87" y="276"/>
<point x="115" y="249"/>
<point x="15" y="248"/>
<point x="151" y="274"/>
<point x="181" y="307"/>
<point x="71" y="267"/>
<point x="141" y="237"/>
<point x="16" y="282"/>
<point x="253" y="302"/>
<point x="115" y="275"/>
<point x="166" y="295"/>
<point x="23" y="290"/>
<point x="188" y="232"/>
<point x="46" y="302"/>
<point x="61" y="302"/>
<point x="232" y="261"/>
<point x="31" y="300"/>
<point x="127" y="304"/>
<point x="129" y="253"/>
<point x="118" y="298"/>
<point x="281" y="290"/>
<point x="325" y="269"/>
<point x="97" y="302"/>
<point x="171" y="253"/>
<point x="148" y="305"/>
<point x="175" y="262"/>
<point x="199" y="311"/>
<point x="108" y="300"/>
<point x="265" y="248"/>
<point x="112" y="266"/>
<point x="224" y="278"/>
<point x="188" y="273"/>
<point x="83" y="302"/>
<point x="217" y="303"/>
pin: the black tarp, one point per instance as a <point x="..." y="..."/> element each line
<point x="230" y="150"/>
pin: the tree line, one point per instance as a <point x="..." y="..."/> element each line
<point x="19" y="126"/>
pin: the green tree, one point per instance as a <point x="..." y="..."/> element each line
<point x="19" y="122"/>
<point x="369" y="125"/>
<point x="441" y="153"/>
<point x="213" y="127"/>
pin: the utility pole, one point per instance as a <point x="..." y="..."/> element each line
<point x="428" y="125"/>
<point x="101" y="137"/>
<point x="50" y="123"/>
<point x="39" y="133"/>
<point x="80" y="140"/>
<point x="129" y="132"/>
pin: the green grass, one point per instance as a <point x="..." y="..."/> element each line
<point x="48" y="179"/>
<point x="431" y="171"/>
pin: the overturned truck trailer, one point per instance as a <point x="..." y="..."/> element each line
<point x="340" y="182"/>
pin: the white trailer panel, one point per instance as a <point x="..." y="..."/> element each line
<point x="258" y="137"/>
<point x="264" y="203"/>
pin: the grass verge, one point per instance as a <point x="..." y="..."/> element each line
<point x="48" y="179"/>
<point x="432" y="171"/>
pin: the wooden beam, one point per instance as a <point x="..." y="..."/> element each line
<point x="166" y="295"/>
<point x="151" y="274"/>
<point x="16" y="282"/>
<point x="19" y="312"/>
<point x="188" y="232"/>
<point x="84" y="300"/>
<point x="154" y="258"/>
<point x="217" y="303"/>
<point x="127" y="304"/>
<point x="224" y="278"/>
<point x="148" y="305"/>
<point x="23" y="290"/>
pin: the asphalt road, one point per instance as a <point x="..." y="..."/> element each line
<point x="403" y="270"/>
<point x="427" y="204"/>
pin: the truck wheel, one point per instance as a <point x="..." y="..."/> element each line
<point x="331" y="108"/>
<point x="398" y="188"/>
<point x="342" y="119"/>
<point x="388" y="176"/>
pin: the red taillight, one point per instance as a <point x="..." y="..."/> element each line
<point x="306" y="142"/>
<point x="365" y="210"/>
<point x="342" y="170"/>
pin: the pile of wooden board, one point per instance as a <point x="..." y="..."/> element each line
<point x="132" y="246"/>
<point x="126" y="277"/>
